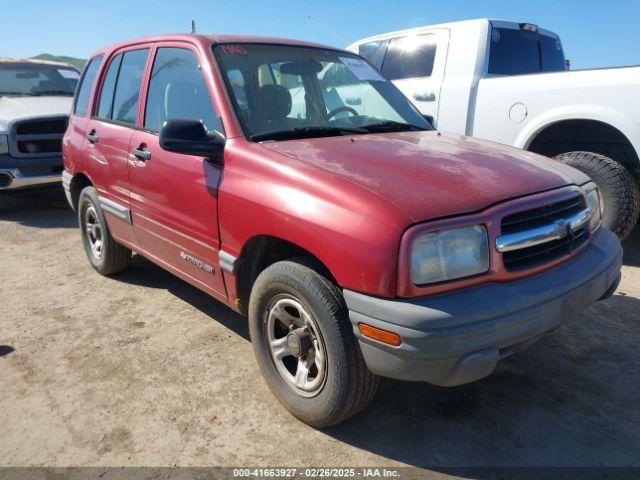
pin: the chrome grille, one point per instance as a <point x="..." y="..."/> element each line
<point x="37" y="137"/>
<point x="548" y="233"/>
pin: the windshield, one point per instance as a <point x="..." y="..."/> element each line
<point x="281" y="92"/>
<point x="33" y="79"/>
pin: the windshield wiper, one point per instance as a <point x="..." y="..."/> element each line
<point x="392" y="126"/>
<point x="54" y="92"/>
<point x="20" y="94"/>
<point x="306" y="132"/>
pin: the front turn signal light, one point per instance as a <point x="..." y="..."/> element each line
<point x="380" y="335"/>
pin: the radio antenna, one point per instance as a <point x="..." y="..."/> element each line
<point x="193" y="27"/>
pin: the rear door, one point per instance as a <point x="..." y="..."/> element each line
<point x="74" y="138"/>
<point x="109" y="131"/>
<point x="416" y="65"/>
<point x="174" y="196"/>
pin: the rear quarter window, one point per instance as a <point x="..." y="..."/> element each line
<point x="81" y="101"/>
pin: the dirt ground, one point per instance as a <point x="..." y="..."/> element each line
<point x="130" y="370"/>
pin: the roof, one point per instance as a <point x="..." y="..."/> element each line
<point x="36" y="62"/>
<point x="448" y="25"/>
<point x="210" y="39"/>
<point x="477" y="22"/>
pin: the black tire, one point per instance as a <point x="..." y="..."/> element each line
<point x="618" y="189"/>
<point x="348" y="385"/>
<point x="113" y="257"/>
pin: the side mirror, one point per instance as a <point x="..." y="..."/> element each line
<point x="191" y="138"/>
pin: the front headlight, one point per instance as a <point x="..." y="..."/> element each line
<point x="450" y="254"/>
<point x="4" y="144"/>
<point x="593" y="204"/>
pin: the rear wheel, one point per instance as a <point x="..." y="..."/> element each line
<point x="104" y="254"/>
<point x="305" y="346"/>
<point x="618" y="189"/>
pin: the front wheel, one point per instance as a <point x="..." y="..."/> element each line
<point x="618" y="189"/>
<point x="305" y="346"/>
<point x="104" y="254"/>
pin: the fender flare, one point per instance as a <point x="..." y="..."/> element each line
<point x="621" y="122"/>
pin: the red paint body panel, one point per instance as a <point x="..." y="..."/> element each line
<point x="356" y="204"/>
<point x="427" y="175"/>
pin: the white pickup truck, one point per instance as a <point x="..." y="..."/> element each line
<point x="35" y="101"/>
<point x="509" y="82"/>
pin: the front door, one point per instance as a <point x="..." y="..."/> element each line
<point x="174" y="196"/>
<point x="416" y="64"/>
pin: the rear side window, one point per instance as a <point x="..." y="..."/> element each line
<point x="374" y="52"/>
<point x="178" y="90"/>
<point x="518" y="52"/>
<point x="125" y="100"/>
<point x="86" y="82"/>
<point x="409" y="57"/>
<point x="108" y="88"/>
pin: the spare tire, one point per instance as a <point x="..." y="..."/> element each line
<point x="619" y="191"/>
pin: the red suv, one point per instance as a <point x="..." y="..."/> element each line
<point x="292" y="182"/>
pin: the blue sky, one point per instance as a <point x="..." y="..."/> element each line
<point x="595" y="33"/>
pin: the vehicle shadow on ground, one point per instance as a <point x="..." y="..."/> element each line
<point x="147" y="274"/>
<point x="631" y="248"/>
<point x="570" y="399"/>
<point x="38" y="207"/>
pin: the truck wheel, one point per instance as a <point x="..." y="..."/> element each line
<point x="305" y="346"/>
<point x="619" y="191"/>
<point x="104" y="254"/>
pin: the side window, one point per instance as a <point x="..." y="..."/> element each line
<point x="125" y="100"/>
<point x="108" y="87"/>
<point x="86" y="82"/>
<point x="177" y="89"/>
<point x="374" y="52"/>
<point x="409" y="57"/>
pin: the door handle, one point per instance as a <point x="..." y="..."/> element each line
<point x="425" y="96"/>
<point x="141" y="153"/>
<point x="92" y="137"/>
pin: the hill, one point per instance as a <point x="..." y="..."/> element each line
<point x="78" y="62"/>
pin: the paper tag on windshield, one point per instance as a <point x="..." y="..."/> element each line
<point x="362" y="69"/>
<point x="66" y="73"/>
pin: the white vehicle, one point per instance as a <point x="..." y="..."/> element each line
<point x="509" y="82"/>
<point x="35" y="102"/>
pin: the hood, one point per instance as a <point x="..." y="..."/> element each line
<point x="427" y="175"/>
<point x="15" y="108"/>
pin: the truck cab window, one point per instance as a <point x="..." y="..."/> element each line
<point x="518" y="52"/>
<point x="374" y="52"/>
<point x="409" y="57"/>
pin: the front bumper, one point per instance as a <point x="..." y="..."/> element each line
<point x="17" y="173"/>
<point x="458" y="337"/>
<point x="14" y="179"/>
